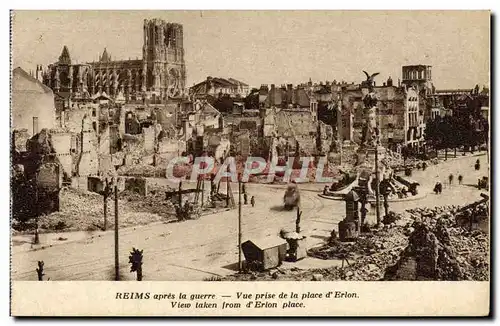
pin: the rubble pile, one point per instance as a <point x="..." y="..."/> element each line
<point x="154" y="203"/>
<point x="83" y="211"/>
<point x="366" y="258"/>
<point x="438" y="249"/>
<point x="78" y="211"/>
<point x="428" y="256"/>
<point x="142" y="170"/>
<point x="475" y="213"/>
<point x="412" y="164"/>
<point x="431" y="215"/>
<point x="472" y="249"/>
<point x="456" y="215"/>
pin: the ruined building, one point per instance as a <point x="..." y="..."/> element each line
<point x="158" y="77"/>
<point x="290" y="119"/>
<point x="215" y="86"/>
<point x="400" y="115"/>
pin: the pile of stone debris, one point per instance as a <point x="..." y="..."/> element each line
<point x="365" y="259"/>
<point x="83" y="211"/>
<point x="155" y="203"/>
<point x="441" y="249"/>
<point x="143" y="170"/>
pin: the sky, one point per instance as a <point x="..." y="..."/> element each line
<point x="280" y="47"/>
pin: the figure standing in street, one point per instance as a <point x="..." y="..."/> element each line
<point x="460" y="179"/>
<point x="245" y="198"/>
<point x="450" y="179"/>
<point x="252" y="201"/>
<point x="438" y="188"/>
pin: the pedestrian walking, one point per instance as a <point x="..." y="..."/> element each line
<point x="436" y="188"/>
<point x="243" y="189"/>
<point x="460" y="179"/>
<point x="245" y="198"/>
<point x="252" y="201"/>
<point x="450" y="179"/>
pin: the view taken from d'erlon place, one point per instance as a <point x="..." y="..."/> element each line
<point x="249" y="146"/>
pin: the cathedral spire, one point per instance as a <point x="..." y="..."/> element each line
<point x="64" y="58"/>
<point x="105" y="57"/>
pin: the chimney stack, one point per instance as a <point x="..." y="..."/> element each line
<point x="35" y="125"/>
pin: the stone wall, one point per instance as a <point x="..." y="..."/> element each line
<point x="89" y="162"/>
<point x="104" y="142"/>
<point x="148" y="138"/>
<point x="170" y="148"/>
<point x="20" y="138"/>
<point x="61" y="142"/>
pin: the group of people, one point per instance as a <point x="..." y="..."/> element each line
<point x="245" y="196"/>
<point x="213" y="191"/>
<point x="438" y="188"/>
<point x="422" y="166"/>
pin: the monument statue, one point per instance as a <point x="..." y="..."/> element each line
<point x="370" y="132"/>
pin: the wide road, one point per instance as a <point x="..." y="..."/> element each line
<point x="196" y="249"/>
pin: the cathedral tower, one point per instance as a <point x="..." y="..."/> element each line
<point x="164" y="70"/>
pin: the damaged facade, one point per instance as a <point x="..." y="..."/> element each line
<point x="290" y="120"/>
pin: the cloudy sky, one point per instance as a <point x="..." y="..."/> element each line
<point x="264" y="47"/>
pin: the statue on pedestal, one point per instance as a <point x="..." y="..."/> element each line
<point x="370" y="132"/>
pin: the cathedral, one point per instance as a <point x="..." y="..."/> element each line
<point x="159" y="77"/>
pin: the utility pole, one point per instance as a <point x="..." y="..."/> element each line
<point x="240" y="265"/>
<point x="339" y="126"/>
<point x="377" y="188"/>
<point x="180" y="193"/>
<point x="104" y="227"/>
<point x="36" y="210"/>
<point x="117" y="262"/>
<point x="227" y="187"/>
<point x="297" y="220"/>
<point x="202" y="189"/>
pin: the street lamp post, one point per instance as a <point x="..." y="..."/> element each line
<point x="240" y="265"/>
<point x="377" y="180"/>
<point x="117" y="262"/>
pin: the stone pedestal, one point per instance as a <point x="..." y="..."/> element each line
<point x="301" y="249"/>
<point x="371" y="216"/>
<point x="366" y="155"/>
